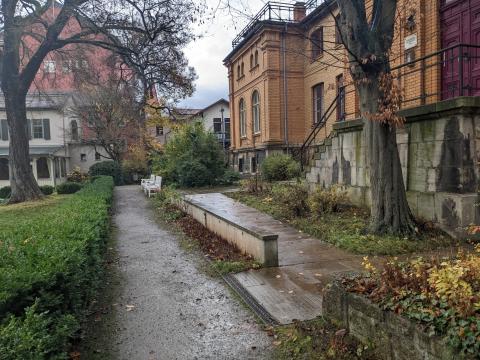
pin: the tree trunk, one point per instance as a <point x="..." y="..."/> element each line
<point x="23" y="183"/>
<point x="390" y="212"/>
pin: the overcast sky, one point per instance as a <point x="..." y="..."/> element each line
<point x="207" y="53"/>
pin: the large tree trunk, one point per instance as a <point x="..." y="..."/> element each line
<point x="390" y="212"/>
<point x="24" y="185"/>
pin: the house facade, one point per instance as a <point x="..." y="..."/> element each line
<point x="290" y="91"/>
<point x="59" y="142"/>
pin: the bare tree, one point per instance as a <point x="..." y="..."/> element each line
<point x="148" y="35"/>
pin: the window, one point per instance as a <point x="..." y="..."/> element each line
<point x="240" y="165"/>
<point x="39" y="128"/>
<point x="4" y="171"/>
<point x="340" y="99"/>
<point x="227" y="128"/>
<point x="256" y="58"/>
<point x="254" y="165"/>
<point x="159" y="130"/>
<point x="67" y="66"/>
<point x="217" y="125"/>
<point x="243" y="69"/>
<point x="256" y="111"/>
<point x="42" y="168"/>
<point x="83" y="157"/>
<point x="97" y="156"/>
<point x="338" y="36"/>
<point x="243" y="123"/>
<point x="252" y="64"/>
<point x="49" y="66"/>
<point x="74" y="129"/>
<point x="317" y="103"/>
<point x="239" y="74"/>
<point x="63" y="167"/>
<point x="317" y="43"/>
<point x="3" y="130"/>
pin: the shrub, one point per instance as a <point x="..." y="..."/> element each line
<point x="68" y="188"/>
<point x="5" y="192"/>
<point x="47" y="189"/>
<point x="192" y="157"/>
<point x="255" y="185"/>
<point x="77" y="176"/>
<point x="323" y="201"/>
<point x="278" y="167"/>
<point x="229" y="177"/>
<point x="292" y="197"/>
<point x="40" y="311"/>
<point x="107" y="168"/>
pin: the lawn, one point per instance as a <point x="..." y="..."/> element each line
<point x="345" y="228"/>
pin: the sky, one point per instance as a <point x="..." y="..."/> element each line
<point x="206" y="54"/>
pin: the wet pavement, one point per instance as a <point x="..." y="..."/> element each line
<point x="159" y="304"/>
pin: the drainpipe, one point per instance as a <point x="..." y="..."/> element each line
<point x="285" y="96"/>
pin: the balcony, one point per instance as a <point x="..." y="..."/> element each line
<point x="278" y="12"/>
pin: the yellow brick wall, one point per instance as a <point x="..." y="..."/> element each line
<point x="303" y="73"/>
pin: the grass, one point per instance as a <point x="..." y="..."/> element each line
<point x="29" y="208"/>
<point x="317" y="340"/>
<point x="345" y="229"/>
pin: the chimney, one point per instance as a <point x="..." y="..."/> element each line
<point x="299" y="11"/>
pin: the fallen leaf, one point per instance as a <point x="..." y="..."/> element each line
<point x="300" y="273"/>
<point x="278" y="276"/>
<point x="290" y="292"/>
<point x="277" y="343"/>
<point x="130" y="307"/>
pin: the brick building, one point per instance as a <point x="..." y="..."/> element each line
<point x="290" y="91"/>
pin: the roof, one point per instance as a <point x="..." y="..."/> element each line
<point x="35" y="150"/>
<point x="222" y="100"/>
<point x="42" y="101"/>
<point x="187" y="112"/>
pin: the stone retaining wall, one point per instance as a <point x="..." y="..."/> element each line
<point x="439" y="150"/>
<point x="393" y="337"/>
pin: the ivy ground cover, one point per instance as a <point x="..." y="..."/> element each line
<point x="51" y="255"/>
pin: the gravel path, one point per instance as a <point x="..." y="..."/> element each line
<point x="158" y="304"/>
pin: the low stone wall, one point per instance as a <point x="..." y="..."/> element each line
<point x="439" y="150"/>
<point x="262" y="246"/>
<point x="393" y="337"/>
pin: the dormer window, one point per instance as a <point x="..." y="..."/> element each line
<point x="317" y="43"/>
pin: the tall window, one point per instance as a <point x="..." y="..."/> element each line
<point x="243" y="69"/>
<point x="159" y="130"/>
<point x="227" y="128"/>
<point x="317" y="43"/>
<point x="74" y="129"/>
<point x="256" y="111"/>
<point x="42" y="168"/>
<point x="4" y="173"/>
<point x="340" y="99"/>
<point x="252" y="64"/>
<point x="217" y="125"/>
<point x="239" y="74"/>
<point x="318" y="103"/>
<point x="256" y="58"/>
<point x="338" y="37"/>
<point x="243" y="123"/>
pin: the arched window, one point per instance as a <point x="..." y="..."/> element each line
<point x="317" y="43"/>
<point x="243" y="69"/>
<point x="252" y="63"/>
<point x="256" y="111"/>
<point x="74" y="129"/>
<point x="243" y="123"/>
<point x="239" y="74"/>
<point x="256" y="58"/>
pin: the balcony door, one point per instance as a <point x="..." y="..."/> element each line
<point x="460" y="24"/>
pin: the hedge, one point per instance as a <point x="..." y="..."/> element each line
<point x="49" y="272"/>
<point x="68" y="187"/>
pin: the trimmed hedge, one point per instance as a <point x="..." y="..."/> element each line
<point x="108" y="168"/>
<point x="68" y="188"/>
<point x="49" y="272"/>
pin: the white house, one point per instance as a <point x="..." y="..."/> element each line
<point x="55" y="140"/>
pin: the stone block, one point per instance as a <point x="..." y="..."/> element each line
<point x="412" y="198"/>
<point x="426" y="206"/>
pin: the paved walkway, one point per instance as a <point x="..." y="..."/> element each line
<point x="158" y="303"/>
<point x="294" y="289"/>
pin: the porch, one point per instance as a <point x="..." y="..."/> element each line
<point x="48" y="163"/>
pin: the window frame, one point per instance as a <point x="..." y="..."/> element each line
<point x="316" y="41"/>
<point x="159" y="130"/>
<point x="242" y="118"/>
<point x="36" y="126"/>
<point x="49" y="67"/>
<point x="217" y="122"/>
<point x="46" y="174"/>
<point x="256" y="112"/>
<point x="318" y="89"/>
